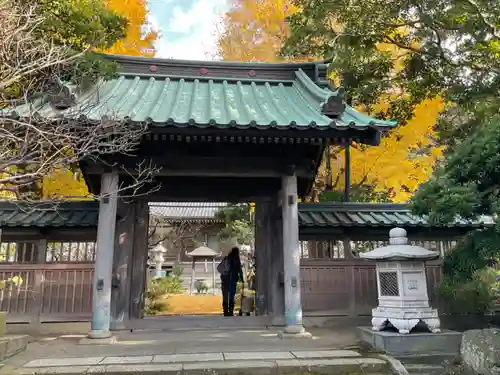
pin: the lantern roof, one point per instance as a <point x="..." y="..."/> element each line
<point x="398" y="249"/>
<point x="203" y="251"/>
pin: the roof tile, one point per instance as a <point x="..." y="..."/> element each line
<point x="85" y="214"/>
<point x="369" y="215"/>
<point x="203" y="102"/>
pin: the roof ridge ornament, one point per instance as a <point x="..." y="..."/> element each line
<point x="335" y="104"/>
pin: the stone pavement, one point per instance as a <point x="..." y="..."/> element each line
<point x="175" y="351"/>
<point x="267" y="362"/>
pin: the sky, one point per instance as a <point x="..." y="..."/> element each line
<point x="187" y="27"/>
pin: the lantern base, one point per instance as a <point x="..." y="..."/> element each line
<point x="422" y="344"/>
<point x="404" y="320"/>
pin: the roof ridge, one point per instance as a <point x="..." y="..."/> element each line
<point x="211" y="63"/>
<point x="355" y="206"/>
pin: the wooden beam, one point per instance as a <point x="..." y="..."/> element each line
<point x="189" y="166"/>
<point x="369" y="136"/>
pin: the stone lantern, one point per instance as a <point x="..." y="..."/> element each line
<point x="158" y="259"/>
<point x="202" y="253"/>
<point x="402" y="285"/>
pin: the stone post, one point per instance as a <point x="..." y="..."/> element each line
<point x="291" y="258"/>
<point x="101" y="303"/>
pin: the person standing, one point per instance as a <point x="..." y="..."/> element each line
<point x="230" y="273"/>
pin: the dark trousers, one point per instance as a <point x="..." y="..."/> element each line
<point x="228" y="293"/>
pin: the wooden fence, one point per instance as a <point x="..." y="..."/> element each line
<point x="46" y="281"/>
<point x="348" y="287"/>
<point x="52" y="281"/>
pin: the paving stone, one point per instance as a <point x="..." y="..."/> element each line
<point x="231" y="368"/>
<point x="106" y="341"/>
<point x="319" y="362"/>
<point x="136" y="369"/>
<point x="52" y="370"/>
<point x="324" y="365"/>
<point x="229" y="364"/>
<point x="54" y="362"/>
<point x="195" y="357"/>
<point x="128" y="359"/>
<point x="326" y="354"/>
<point x="258" y="355"/>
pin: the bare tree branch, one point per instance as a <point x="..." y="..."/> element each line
<point x="36" y="137"/>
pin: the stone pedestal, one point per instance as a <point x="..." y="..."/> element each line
<point x="446" y="343"/>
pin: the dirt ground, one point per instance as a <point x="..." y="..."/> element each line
<point x="182" y="304"/>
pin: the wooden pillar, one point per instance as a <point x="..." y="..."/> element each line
<point x="36" y="300"/>
<point x="275" y="238"/>
<point x="41" y="251"/>
<point x="262" y="257"/>
<point x="122" y="264"/>
<point x="193" y="275"/>
<point x="101" y="303"/>
<point x="139" y="260"/>
<point x="291" y="256"/>
<point x="260" y="263"/>
<point x="213" y="276"/>
<point x="347" y="172"/>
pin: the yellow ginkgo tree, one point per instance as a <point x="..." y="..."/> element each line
<point x="256" y="30"/>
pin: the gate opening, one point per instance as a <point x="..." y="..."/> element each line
<point x="186" y="242"/>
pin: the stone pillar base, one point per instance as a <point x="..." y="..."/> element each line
<point x="294" y="332"/>
<point x="99" y="334"/>
<point x="98" y="341"/>
<point x="278" y="321"/>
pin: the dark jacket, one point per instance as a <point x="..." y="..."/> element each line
<point x="235" y="270"/>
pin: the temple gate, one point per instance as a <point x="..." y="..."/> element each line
<point x="237" y="132"/>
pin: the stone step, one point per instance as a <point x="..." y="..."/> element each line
<point x="11" y="345"/>
<point x="330" y="362"/>
<point x="427" y="359"/>
<point x="423" y="369"/>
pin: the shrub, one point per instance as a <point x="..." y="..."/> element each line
<point x="177" y="271"/>
<point x="167" y="285"/>
<point x="156" y="301"/>
<point x="474" y="296"/>
<point x="154" y="306"/>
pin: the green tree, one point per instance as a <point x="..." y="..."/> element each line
<point x="467" y="185"/>
<point x="238" y="223"/>
<point x="56" y="40"/>
<point x="446" y="47"/>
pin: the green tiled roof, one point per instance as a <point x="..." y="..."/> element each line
<point x="370" y="215"/>
<point x="67" y="214"/>
<point x="243" y="102"/>
<point x="85" y="214"/>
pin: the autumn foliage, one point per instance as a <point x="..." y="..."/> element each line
<point x="256" y="31"/>
<point x="137" y="42"/>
